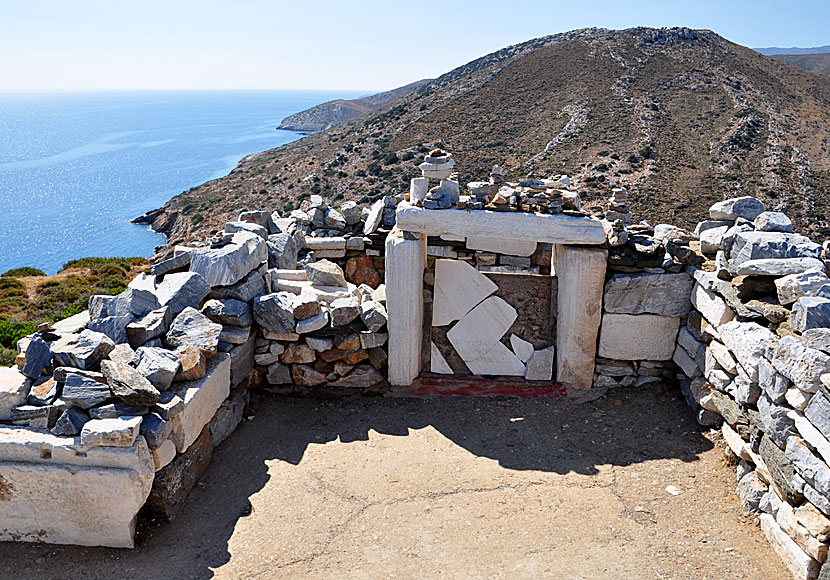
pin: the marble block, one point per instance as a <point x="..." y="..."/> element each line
<point x="479" y="331"/>
<point x="458" y="289"/>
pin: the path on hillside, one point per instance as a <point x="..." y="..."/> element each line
<point x="447" y="488"/>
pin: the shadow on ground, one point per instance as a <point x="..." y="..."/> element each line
<point x="545" y="434"/>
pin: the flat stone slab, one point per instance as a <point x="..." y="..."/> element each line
<point x="478" y="332"/>
<point x="58" y="491"/>
<point x="201" y="400"/>
<point x="499" y="360"/>
<point x="550" y="228"/>
<point x="458" y="289"/>
<point x="638" y="336"/>
<point x="664" y="294"/>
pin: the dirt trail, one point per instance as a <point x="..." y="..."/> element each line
<point x="448" y="488"/>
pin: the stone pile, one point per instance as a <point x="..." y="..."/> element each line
<point x="755" y="355"/>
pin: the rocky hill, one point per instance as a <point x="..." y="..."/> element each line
<point x="683" y="118"/>
<point x="817" y="63"/>
<point x="337" y="112"/>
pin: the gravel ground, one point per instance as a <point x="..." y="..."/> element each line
<point x="626" y="487"/>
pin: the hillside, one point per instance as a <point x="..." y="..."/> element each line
<point x="331" y="113"/>
<point x="817" y="63"/>
<point x="681" y="117"/>
<point x="776" y="50"/>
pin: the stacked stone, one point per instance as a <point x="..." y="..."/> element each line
<point x="318" y="330"/>
<point x="437" y="165"/>
<point x="491" y="255"/>
<point x="642" y="314"/>
<point x="527" y="195"/>
<point x="755" y="353"/>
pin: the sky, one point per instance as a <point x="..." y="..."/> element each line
<point x="323" y="44"/>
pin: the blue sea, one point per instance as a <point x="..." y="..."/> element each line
<point x="75" y="167"/>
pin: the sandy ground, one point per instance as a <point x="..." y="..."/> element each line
<point x="447" y="488"/>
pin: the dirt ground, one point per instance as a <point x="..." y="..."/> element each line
<point x="448" y="488"/>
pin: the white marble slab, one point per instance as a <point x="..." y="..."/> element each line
<point x="479" y="331"/>
<point x="458" y="289"/>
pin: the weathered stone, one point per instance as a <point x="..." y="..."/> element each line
<point x="458" y="289"/>
<point x="481" y="328"/>
<point x="155" y="430"/>
<point x="816" y="523"/>
<point x="173" y="483"/>
<point x="811" y="468"/>
<point x="38" y="357"/>
<point x="152" y="325"/>
<point x="404" y="265"/>
<point x="117" y="409"/>
<point x="180" y="290"/>
<point x="811" y="434"/>
<point x="234" y="335"/>
<point x="297" y="354"/>
<point x="801" y="365"/>
<point x="305" y="306"/>
<point x="316" y="343"/>
<point x="313" y="323"/>
<point x="812" y="546"/>
<point x="797" y="398"/>
<point x="739" y="207"/>
<point x="278" y="374"/>
<point x="128" y="384"/>
<point x="120" y="432"/>
<point x="781" y="471"/>
<point x="369" y="340"/>
<point x="499" y="360"/>
<point x="114" y="327"/>
<point x="228" y="264"/>
<point x="373" y="218"/>
<point x="744" y="340"/>
<point x="777" y="424"/>
<point x="252" y="228"/>
<point x="132" y="301"/>
<point x="522" y="348"/>
<point x="306" y="376"/>
<point x="157" y="365"/>
<point x="201" y="400"/>
<point x="540" y="365"/>
<point x="374" y="315"/>
<point x="350" y="212"/>
<point x="334" y="219"/>
<point x="773" y="221"/>
<point x="242" y="360"/>
<point x="378" y="357"/>
<point x="776" y="266"/>
<point x="792" y="287"/>
<point x="193" y="327"/>
<point x="637" y="337"/>
<point x="70" y="422"/>
<point x="736" y="443"/>
<point x="753" y="245"/>
<point x="817" y="338"/>
<point x="800" y="565"/>
<point x="14" y="388"/>
<point x="251" y="286"/>
<point x="711" y="239"/>
<point x="168" y="406"/>
<point x="751" y="489"/>
<point x="227" y="418"/>
<point x="810" y="312"/>
<point x="344" y="310"/>
<point x="361" y="270"/>
<point x="818" y="412"/>
<point x="282" y="251"/>
<point x="772" y="383"/>
<point x="325" y="273"/>
<point x="711" y="306"/>
<point x="176" y="263"/>
<point x="83" y="351"/>
<point x="229" y="312"/>
<point x="275" y="312"/>
<point x="663" y="294"/>
<point x="84" y="392"/>
<point x="193" y="361"/>
<point x="43" y="392"/>
<point x="363" y="376"/>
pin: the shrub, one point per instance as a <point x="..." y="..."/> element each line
<point x="126" y="263"/>
<point x="24" y="271"/>
<point x="7" y="357"/>
<point x="13" y="330"/>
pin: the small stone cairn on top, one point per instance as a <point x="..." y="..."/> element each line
<point x="437" y="165"/>
<point x="617" y="217"/>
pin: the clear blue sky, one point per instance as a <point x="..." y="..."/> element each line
<point x="345" y="44"/>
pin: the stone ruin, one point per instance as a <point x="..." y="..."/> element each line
<point x="511" y="289"/>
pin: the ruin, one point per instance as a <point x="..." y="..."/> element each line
<point x="511" y="290"/>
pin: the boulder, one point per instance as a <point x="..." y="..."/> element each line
<point x="814" y="471"/>
<point x="181" y="290"/>
<point x="262" y="218"/>
<point x="373" y="218"/>
<point x="177" y="263"/>
<point x="193" y="327"/>
<point x="193" y="363"/>
<point x="282" y="251"/>
<point x="297" y="354"/>
<point x="773" y="221"/>
<point x="775" y="266"/>
<point x="817" y="338"/>
<point x="363" y="376"/>
<point x="128" y="384"/>
<point x="70" y="423"/>
<point x="801" y="365"/>
<point x="155" y="430"/>
<point x="306" y="376"/>
<point x="810" y="312"/>
<point x="663" y="294"/>
<point x="313" y="323"/>
<point x="350" y="212"/>
<point x="275" y="312"/>
<point x="227" y="265"/>
<point x="83" y="351"/>
<point x="251" y="228"/>
<point x="793" y="286"/>
<point x="305" y="306"/>
<point x="38" y="357"/>
<point x="325" y="273"/>
<point x="132" y="301"/>
<point x="777" y="424"/>
<point x="154" y="324"/>
<point x="754" y="245"/>
<point x="739" y="207"/>
<point x="157" y="365"/>
<point x="334" y="220"/>
<point x="114" y="327"/>
<point x="344" y="310"/>
<point x="84" y="392"/>
<point x="229" y="312"/>
<point x="278" y="374"/>
<point x="14" y="388"/>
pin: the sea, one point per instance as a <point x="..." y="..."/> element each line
<point x="75" y="167"/>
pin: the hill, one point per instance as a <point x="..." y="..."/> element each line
<point x="817" y="63"/>
<point x="337" y="112"/>
<point x="683" y="118"/>
<point x="774" y="50"/>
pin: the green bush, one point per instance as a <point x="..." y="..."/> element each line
<point x="24" y="271"/>
<point x="13" y="330"/>
<point x="7" y="356"/>
<point x="125" y="263"/>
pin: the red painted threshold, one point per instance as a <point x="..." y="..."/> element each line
<point x="429" y="384"/>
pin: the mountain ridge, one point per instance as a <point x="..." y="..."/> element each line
<point x="681" y="117"/>
<point x="775" y="50"/>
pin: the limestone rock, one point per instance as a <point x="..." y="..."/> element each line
<point x="776" y="267"/>
<point x="522" y="348"/>
<point x="800" y="565"/>
<point x="14" y="388"/>
<point x="132" y="301"/>
<point x="43" y="392"/>
<point x="128" y="384"/>
<point x="253" y="228"/>
<point x="193" y="363"/>
<point x="38" y="357"/>
<point x="811" y="468"/>
<point x="325" y="273"/>
<point x="313" y="323"/>
<point x="70" y="423"/>
<point x="180" y="290"/>
<point x="201" y="400"/>
<point x="155" y="430"/>
<point x="773" y="221"/>
<point x="297" y="354"/>
<point x="540" y="365"/>
<point x="228" y="264"/>
<point x="637" y="337"/>
<point x="275" y="312"/>
<point x="777" y="423"/>
<point x="373" y="218"/>
<point x="744" y="340"/>
<point x="193" y="327"/>
<point x="305" y="306"/>
<point x="739" y="207"/>
<point x="373" y="315"/>
<point x="229" y="312"/>
<point x="663" y="294"/>
<point x="810" y="312"/>
<point x="438" y="364"/>
<point x="152" y="325"/>
<point x="363" y="376"/>
<point x="751" y="489"/>
<point x="350" y="212"/>
<point x="817" y="338"/>
<point x="83" y="351"/>
<point x="344" y="310"/>
<point x="278" y="374"/>
<point x="115" y="327"/>
<point x="792" y="287"/>
<point x="803" y="366"/>
<point x="481" y="328"/>
<point x="306" y="376"/>
<point x="157" y="365"/>
<point x="251" y="286"/>
<point x="282" y="251"/>
<point x="120" y="432"/>
<point x="84" y="392"/>
<point x="818" y="412"/>
<point x="176" y="263"/>
<point x="711" y="306"/>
